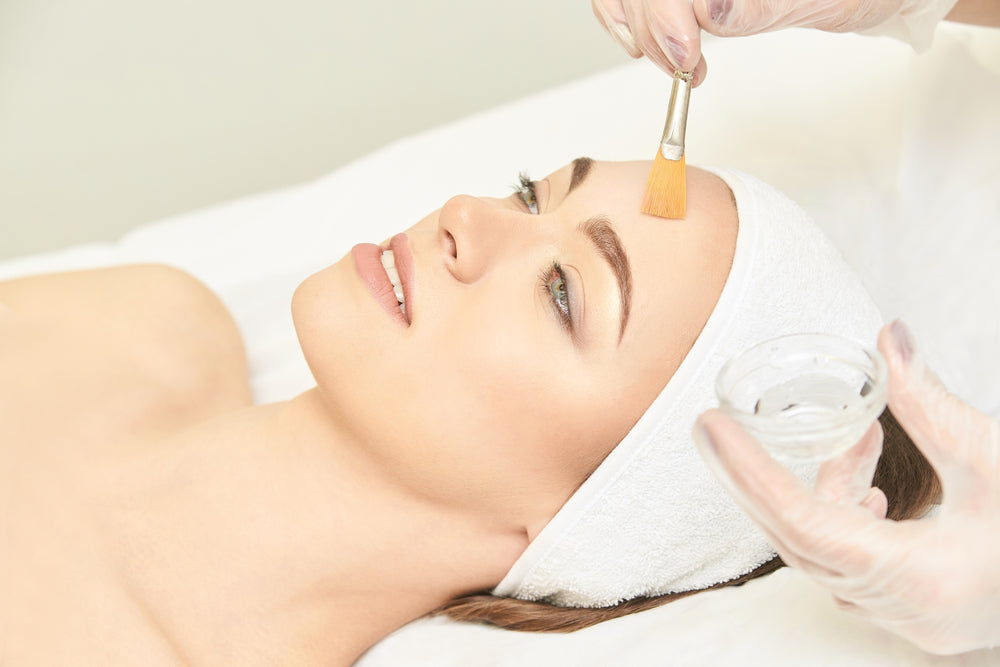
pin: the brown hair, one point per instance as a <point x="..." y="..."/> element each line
<point x="904" y="475"/>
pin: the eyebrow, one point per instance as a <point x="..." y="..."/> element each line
<point x="581" y="167"/>
<point x="598" y="229"/>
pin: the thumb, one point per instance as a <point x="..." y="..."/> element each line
<point x="955" y="437"/>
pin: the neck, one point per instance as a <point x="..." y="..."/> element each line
<point x="394" y="556"/>
<point x="288" y="529"/>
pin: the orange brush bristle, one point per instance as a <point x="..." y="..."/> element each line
<point x="666" y="189"/>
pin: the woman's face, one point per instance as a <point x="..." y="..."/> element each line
<point x="536" y="332"/>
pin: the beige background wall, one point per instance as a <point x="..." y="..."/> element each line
<point x="118" y="112"/>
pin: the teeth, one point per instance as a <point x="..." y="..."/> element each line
<point x="389" y="264"/>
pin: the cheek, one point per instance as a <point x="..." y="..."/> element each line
<point x="486" y="364"/>
<point x="489" y="368"/>
<point x="526" y="407"/>
<point x="486" y="394"/>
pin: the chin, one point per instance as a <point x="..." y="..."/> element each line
<point x="340" y="333"/>
<point x="306" y="300"/>
<point x="324" y="315"/>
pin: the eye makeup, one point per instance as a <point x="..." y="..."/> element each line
<point x="525" y="189"/>
<point x="555" y="288"/>
<point x="552" y="280"/>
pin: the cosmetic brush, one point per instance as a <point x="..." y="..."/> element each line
<point x="666" y="189"/>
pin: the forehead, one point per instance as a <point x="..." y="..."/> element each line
<point x="678" y="266"/>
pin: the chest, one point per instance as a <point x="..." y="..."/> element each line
<point x="77" y="398"/>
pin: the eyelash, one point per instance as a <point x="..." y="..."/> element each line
<point x="549" y="281"/>
<point x="525" y="189"/>
<point x="552" y="279"/>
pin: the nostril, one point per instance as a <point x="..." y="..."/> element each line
<point x="449" y="245"/>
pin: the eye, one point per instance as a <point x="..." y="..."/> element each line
<point x="556" y="289"/>
<point x="525" y="189"/>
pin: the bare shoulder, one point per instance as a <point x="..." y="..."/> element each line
<point x="132" y="336"/>
<point x="103" y="291"/>
<point x="97" y="369"/>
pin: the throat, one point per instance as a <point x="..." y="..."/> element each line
<point x="277" y="494"/>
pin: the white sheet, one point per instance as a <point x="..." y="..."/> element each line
<point x="783" y="619"/>
<point x="897" y="156"/>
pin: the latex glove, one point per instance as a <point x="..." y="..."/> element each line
<point x="749" y="17"/>
<point x="668" y="32"/>
<point x="912" y="21"/>
<point x="935" y="581"/>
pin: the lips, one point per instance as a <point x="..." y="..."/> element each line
<point x="368" y="262"/>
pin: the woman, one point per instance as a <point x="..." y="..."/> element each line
<point x="154" y="516"/>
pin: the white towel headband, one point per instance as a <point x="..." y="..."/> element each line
<point x="652" y="519"/>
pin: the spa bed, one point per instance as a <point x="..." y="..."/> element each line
<point x="896" y="155"/>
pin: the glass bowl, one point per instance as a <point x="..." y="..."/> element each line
<point x="804" y="397"/>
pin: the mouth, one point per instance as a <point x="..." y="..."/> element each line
<point x="388" y="274"/>
<point x="389" y="264"/>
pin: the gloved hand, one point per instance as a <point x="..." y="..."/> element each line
<point x="935" y="581"/>
<point x="668" y="31"/>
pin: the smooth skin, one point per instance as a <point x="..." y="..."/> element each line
<point x="152" y="515"/>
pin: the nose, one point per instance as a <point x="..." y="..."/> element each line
<point x="474" y="232"/>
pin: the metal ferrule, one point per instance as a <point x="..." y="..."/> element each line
<point x="672" y="144"/>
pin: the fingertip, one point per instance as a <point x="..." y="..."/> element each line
<point x="876" y="503"/>
<point x="624" y="37"/>
<point x="684" y="51"/>
<point x="713" y="16"/>
<point x="612" y="17"/>
<point x="874" y="438"/>
<point x="708" y="423"/>
<point x="672" y="33"/>
<point x="895" y="342"/>
<point x="843" y="604"/>
<point x="711" y="415"/>
<point x="722" y="440"/>
<point x="913" y="387"/>
<point x="719" y="10"/>
<point x="702" y="432"/>
<point x="700" y="72"/>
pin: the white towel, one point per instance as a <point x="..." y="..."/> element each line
<point x="652" y="519"/>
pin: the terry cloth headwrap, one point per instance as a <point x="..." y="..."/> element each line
<point x="652" y="519"/>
